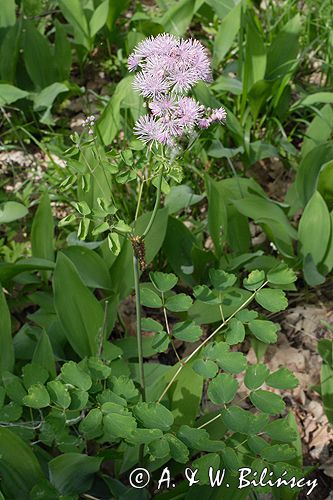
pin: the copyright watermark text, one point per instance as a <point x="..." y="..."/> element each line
<point x="140" y="478"/>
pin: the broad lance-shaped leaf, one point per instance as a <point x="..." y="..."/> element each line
<point x="43" y="354"/>
<point x="188" y="382"/>
<point x="34" y="373"/>
<point x="325" y="349"/>
<point x="19" y="468"/>
<point x="328" y="260"/>
<point x="7" y="348"/>
<point x="91" y="267"/>
<point x="78" y="310"/>
<point x="314" y="229"/>
<point x="9" y="270"/>
<point x="99" y="17"/>
<point x="42" y="230"/>
<point x="9" y="93"/>
<point x="228" y="30"/>
<point x="326" y="386"/>
<point x="11" y="210"/>
<point x="73" y="473"/>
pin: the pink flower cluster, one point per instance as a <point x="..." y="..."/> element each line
<point x="168" y="68"/>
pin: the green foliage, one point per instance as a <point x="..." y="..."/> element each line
<point x="42" y="231"/>
<point x="71" y="372"/>
<point x="325" y="349"/>
<point x="83" y="320"/>
<point x="11" y="211"/>
<point x="20" y="469"/>
<point x="73" y="473"/>
<point x="7" y="351"/>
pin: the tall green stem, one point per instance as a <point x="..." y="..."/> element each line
<point x="138" y="325"/>
<point x="136" y="270"/>
<point x="157" y="202"/>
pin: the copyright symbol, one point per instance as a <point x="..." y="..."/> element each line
<point x="139" y="478"/>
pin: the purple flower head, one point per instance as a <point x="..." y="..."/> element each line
<point x="149" y="130"/>
<point x="204" y="123"/>
<point x="181" y="81"/>
<point x="179" y="63"/>
<point x="149" y="84"/>
<point x="133" y="62"/>
<point x="168" y="68"/>
<point x="189" y="112"/>
<point x="218" y="115"/>
<point x="162" y="105"/>
<point x="156" y="46"/>
<point x="195" y="57"/>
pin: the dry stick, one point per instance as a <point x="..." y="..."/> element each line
<point x="207" y="340"/>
